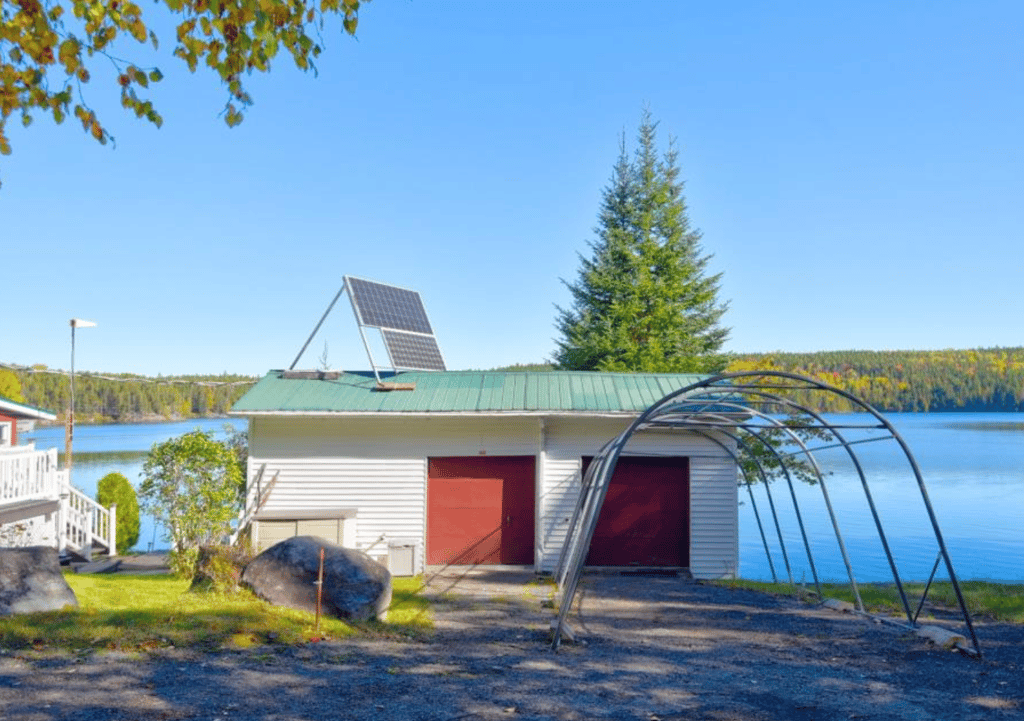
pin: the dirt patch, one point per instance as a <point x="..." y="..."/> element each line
<point x="651" y="648"/>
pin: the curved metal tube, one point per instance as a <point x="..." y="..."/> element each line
<point x="704" y="416"/>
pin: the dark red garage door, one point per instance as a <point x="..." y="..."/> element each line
<point x="645" y="519"/>
<point x="480" y="510"/>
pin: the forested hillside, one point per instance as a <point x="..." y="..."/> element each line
<point x="126" y="398"/>
<point x="987" y="379"/>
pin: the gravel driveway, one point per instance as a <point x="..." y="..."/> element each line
<point x="651" y="648"/>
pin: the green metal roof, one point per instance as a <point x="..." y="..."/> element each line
<point x="23" y="410"/>
<point x="461" y="392"/>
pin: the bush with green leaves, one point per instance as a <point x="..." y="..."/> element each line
<point x="218" y="569"/>
<point x="115" y="488"/>
<point x="191" y="487"/>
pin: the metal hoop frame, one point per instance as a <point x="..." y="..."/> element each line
<point x="756" y="417"/>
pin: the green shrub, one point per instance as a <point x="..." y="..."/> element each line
<point x="182" y="562"/>
<point x="190" y="485"/>
<point x="115" y="488"/>
<point x="218" y="569"/>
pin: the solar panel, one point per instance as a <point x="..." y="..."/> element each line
<point x="402" y="320"/>
<point x="411" y="351"/>
<point x="387" y="306"/>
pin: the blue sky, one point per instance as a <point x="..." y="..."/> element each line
<point x="856" y="169"/>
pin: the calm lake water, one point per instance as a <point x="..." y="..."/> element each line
<point x="973" y="468"/>
<point x="972" y="463"/>
<point x="100" y="450"/>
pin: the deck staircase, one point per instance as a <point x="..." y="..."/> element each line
<point x="32" y="486"/>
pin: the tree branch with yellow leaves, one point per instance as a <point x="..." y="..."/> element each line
<point x="46" y="50"/>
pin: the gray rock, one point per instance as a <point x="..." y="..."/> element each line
<point x="355" y="588"/>
<point x="31" y="581"/>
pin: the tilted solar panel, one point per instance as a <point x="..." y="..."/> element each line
<point x="387" y="306"/>
<point x="411" y="351"/>
<point x="402" y="320"/>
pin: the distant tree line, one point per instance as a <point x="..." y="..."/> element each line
<point x="126" y="398"/>
<point x="984" y="379"/>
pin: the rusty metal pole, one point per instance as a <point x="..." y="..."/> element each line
<point x="319" y="591"/>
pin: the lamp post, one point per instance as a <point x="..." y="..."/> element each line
<point x="70" y="432"/>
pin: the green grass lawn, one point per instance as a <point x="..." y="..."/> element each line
<point x="997" y="601"/>
<point x="136" y="613"/>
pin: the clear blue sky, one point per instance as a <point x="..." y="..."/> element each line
<point x="856" y="169"/>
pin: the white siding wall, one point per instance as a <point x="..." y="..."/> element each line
<point x="388" y="494"/>
<point x="714" y="517"/>
<point x="559" y="491"/>
<point x="379" y="466"/>
<point x="375" y="465"/>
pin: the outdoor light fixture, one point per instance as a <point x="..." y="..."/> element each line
<point x="70" y="434"/>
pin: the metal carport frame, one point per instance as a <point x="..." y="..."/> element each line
<point x="765" y="420"/>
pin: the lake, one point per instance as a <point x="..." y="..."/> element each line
<point x="104" y="449"/>
<point x="972" y="464"/>
<point x="973" y="468"/>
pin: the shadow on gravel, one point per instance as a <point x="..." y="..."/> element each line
<point x="650" y="649"/>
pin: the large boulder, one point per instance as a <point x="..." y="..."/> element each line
<point x="31" y="581"/>
<point x="355" y="587"/>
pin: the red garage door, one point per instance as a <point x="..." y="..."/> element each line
<point x="480" y="510"/>
<point x="645" y="519"/>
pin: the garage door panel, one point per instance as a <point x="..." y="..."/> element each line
<point x="480" y="510"/>
<point x="481" y="493"/>
<point x="644" y="520"/>
<point x="470" y="523"/>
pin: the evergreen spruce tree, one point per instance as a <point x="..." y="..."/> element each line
<point x="643" y="301"/>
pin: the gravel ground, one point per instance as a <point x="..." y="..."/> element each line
<point x="649" y="649"/>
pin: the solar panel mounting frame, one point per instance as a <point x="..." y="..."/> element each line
<point x="404" y="326"/>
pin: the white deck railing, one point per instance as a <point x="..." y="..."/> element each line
<point x="81" y="523"/>
<point x="27" y="474"/>
<point x="86" y="523"/>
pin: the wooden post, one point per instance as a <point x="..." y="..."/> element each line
<point x="69" y="425"/>
<point x="319" y="591"/>
<point x="62" y="522"/>
<point x="89" y="524"/>
<point x="112" y="531"/>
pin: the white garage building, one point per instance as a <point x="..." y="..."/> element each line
<point x="484" y="468"/>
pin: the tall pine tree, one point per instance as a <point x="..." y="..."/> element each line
<point x="643" y="301"/>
